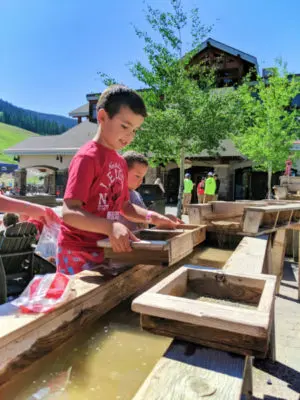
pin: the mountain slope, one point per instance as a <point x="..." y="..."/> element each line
<point x="9" y="136"/>
<point x="45" y="124"/>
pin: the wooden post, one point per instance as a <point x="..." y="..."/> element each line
<point x="295" y="245"/>
<point x="299" y="272"/>
<point x="247" y="389"/>
<point x="278" y="253"/>
<point x="272" y="346"/>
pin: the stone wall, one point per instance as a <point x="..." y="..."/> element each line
<point x="226" y="173"/>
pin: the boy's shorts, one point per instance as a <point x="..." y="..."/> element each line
<point x="72" y="262"/>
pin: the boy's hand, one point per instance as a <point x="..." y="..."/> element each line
<point x="174" y="219"/>
<point x="120" y="238"/>
<point x="163" y="222"/>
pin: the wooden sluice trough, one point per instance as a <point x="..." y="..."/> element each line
<point x="208" y="372"/>
<point x="245" y="218"/>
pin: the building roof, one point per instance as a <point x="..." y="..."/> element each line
<point x="82" y="111"/>
<point x="230" y="50"/>
<point x="296" y="101"/>
<point x="66" y="143"/>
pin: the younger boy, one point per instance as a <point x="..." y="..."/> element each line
<point x="97" y="188"/>
<point x="137" y="165"/>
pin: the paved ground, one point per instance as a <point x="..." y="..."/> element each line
<point x="280" y="380"/>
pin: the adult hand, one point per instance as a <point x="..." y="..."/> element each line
<point x="163" y="222"/>
<point x="120" y="238"/>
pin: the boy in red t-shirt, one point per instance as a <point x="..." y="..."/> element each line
<point x="97" y="189"/>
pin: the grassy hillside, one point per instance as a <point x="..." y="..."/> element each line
<point x="9" y="136"/>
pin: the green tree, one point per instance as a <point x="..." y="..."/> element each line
<point x="270" y="124"/>
<point x="185" y="115"/>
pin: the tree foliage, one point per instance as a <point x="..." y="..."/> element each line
<point x="270" y="124"/>
<point x="185" y="115"/>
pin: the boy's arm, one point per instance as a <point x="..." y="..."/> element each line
<point x="119" y="235"/>
<point x="138" y="214"/>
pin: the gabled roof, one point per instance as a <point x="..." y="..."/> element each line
<point x="66" y="143"/>
<point x="230" y="50"/>
<point x="82" y="111"/>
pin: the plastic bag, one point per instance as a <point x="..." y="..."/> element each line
<point x="44" y="293"/>
<point x="47" y="244"/>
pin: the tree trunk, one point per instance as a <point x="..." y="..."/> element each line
<point x="269" y="181"/>
<point x="181" y="178"/>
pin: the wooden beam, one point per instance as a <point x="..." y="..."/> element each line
<point x="248" y="257"/>
<point x="252" y="220"/>
<point x="188" y="371"/>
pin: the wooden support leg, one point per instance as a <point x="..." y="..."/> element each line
<point x="271" y="355"/>
<point x="247" y="389"/>
<point x="299" y="281"/>
<point x="299" y="274"/>
<point x="295" y="245"/>
<point x="278" y="253"/>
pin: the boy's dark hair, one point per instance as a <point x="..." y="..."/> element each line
<point x="116" y="96"/>
<point x="10" y="219"/>
<point x="132" y="157"/>
<point x="216" y="175"/>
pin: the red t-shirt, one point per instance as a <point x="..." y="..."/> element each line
<point x="98" y="178"/>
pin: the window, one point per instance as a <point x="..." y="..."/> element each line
<point x="94" y="112"/>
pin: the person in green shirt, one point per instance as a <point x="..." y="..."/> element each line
<point x="187" y="191"/>
<point x="210" y="188"/>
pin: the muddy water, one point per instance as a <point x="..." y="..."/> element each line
<point x="109" y="360"/>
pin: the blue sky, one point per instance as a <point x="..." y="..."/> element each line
<point x="51" y="50"/>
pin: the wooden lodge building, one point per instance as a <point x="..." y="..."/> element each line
<point x="238" y="181"/>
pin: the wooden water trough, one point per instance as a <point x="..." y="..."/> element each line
<point x="246" y="218"/>
<point x="159" y="246"/>
<point x="219" y="309"/>
<point x="189" y="370"/>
